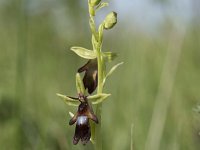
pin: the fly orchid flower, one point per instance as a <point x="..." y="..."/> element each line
<point x="84" y="112"/>
<point x="82" y="116"/>
<point x="90" y="78"/>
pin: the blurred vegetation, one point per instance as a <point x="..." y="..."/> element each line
<point x="36" y="63"/>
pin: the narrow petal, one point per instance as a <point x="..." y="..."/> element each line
<point x="91" y="115"/>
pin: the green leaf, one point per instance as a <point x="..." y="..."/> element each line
<point x="79" y="84"/>
<point x="112" y="70"/>
<point x="69" y="101"/>
<point x="101" y="5"/>
<point x="84" y="53"/>
<point x="98" y="98"/>
<point x="109" y="56"/>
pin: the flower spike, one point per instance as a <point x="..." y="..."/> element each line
<point x="94" y="76"/>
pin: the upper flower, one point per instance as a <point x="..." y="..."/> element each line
<point x="90" y="78"/>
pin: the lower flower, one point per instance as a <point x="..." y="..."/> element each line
<point x="84" y="113"/>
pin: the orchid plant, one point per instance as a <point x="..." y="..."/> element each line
<point x="95" y="77"/>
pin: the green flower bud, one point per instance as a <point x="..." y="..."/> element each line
<point x="94" y="2"/>
<point x="110" y="20"/>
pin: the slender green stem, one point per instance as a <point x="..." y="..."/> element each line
<point x="98" y="136"/>
<point x="96" y="129"/>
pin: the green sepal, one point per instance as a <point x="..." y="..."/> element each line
<point x="98" y="98"/>
<point x="84" y="53"/>
<point x="79" y="84"/>
<point x="68" y="100"/>
<point x="109" y="56"/>
<point x="101" y="5"/>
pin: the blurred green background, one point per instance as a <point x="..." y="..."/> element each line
<point x="153" y="94"/>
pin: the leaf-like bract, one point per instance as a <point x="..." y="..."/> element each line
<point x="109" y="56"/>
<point x="112" y="70"/>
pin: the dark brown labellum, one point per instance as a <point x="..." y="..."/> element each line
<point x="82" y="130"/>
